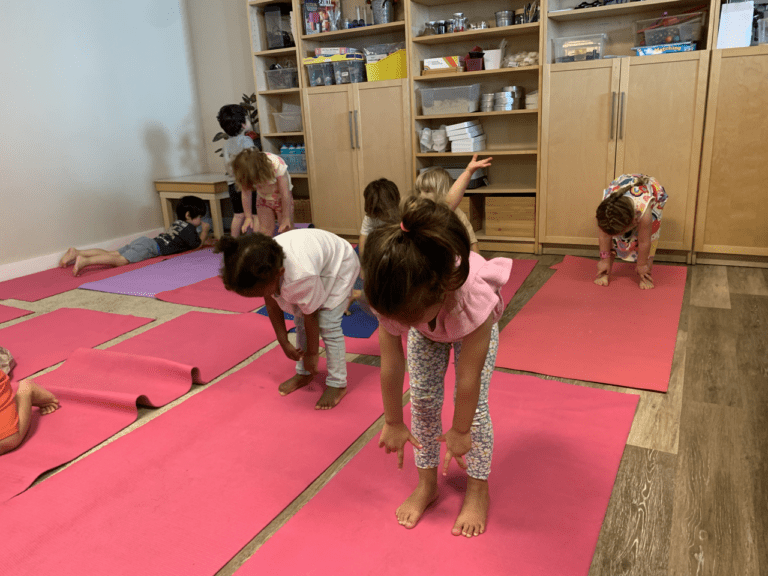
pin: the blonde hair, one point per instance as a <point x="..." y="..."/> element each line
<point x="251" y="168"/>
<point x="433" y="184"/>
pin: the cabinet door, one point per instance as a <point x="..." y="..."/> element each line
<point x="332" y="159"/>
<point x="660" y="130"/>
<point x="732" y="214"/>
<point x="384" y="130"/>
<point x="578" y="148"/>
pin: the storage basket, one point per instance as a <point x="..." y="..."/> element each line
<point x="283" y="78"/>
<point x="579" y="48"/>
<point x="302" y="211"/>
<point x="287" y="121"/>
<point x="669" y="29"/>
<point x="348" y="69"/>
<point x="452" y="100"/>
<point x="297" y="163"/>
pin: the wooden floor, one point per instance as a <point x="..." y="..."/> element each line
<point x="691" y="496"/>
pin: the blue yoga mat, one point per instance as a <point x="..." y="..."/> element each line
<point x="357" y="325"/>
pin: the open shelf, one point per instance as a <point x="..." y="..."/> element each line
<point x="486" y="152"/>
<point x="277" y="52"/>
<point x="481" y="235"/>
<point x="356" y="32"/>
<point x="282" y="134"/>
<point x="479" y="73"/>
<point x="499" y="189"/>
<point x="616" y="9"/>
<point x="278" y="92"/>
<point x="299" y="175"/>
<point x="479" y="114"/>
<point x="503" y="31"/>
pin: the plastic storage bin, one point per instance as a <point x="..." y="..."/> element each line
<point x="579" y="48"/>
<point x="453" y="100"/>
<point x="349" y="69"/>
<point x="669" y="29"/>
<point x="321" y="74"/>
<point x="665" y="48"/>
<point x="278" y="26"/>
<point x="297" y="163"/>
<point x="283" y="78"/>
<point x="762" y="31"/>
<point x="287" y="121"/>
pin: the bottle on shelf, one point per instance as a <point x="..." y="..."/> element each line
<point x="359" y="23"/>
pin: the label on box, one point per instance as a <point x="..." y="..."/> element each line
<point x="335" y="51"/>
<point x="441" y="63"/>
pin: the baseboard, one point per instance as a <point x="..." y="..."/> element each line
<point x="40" y="263"/>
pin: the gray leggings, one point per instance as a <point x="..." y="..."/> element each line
<point x="427" y="365"/>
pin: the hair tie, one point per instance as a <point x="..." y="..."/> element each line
<point x="403" y="228"/>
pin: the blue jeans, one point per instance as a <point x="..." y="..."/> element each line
<point x="333" y="337"/>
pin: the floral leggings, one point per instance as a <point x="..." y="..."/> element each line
<point x="427" y="365"/>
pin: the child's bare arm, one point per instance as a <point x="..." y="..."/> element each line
<point x="456" y="192"/>
<point x="206" y="229"/>
<point x="277" y="319"/>
<point x="474" y="350"/>
<point x="644" y="237"/>
<point x="285" y="200"/>
<point x="247" y="198"/>
<point x="361" y="247"/>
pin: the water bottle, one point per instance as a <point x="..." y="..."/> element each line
<point x="283" y="150"/>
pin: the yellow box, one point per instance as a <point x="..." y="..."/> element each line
<point x="392" y="67"/>
<point x="510" y="216"/>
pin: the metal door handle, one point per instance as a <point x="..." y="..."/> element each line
<point x="613" y="112"/>
<point x="357" y="136"/>
<point x="621" y="117"/>
<point x="351" y="140"/>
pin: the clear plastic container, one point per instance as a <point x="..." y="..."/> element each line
<point x="669" y="29"/>
<point x="762" y="31"/>
<point x="283" y="78"/>
<point x="349" y="71"/>
<point x="321" y="74"/>
<point x="452" y="100"/>
<point x="297" y="163"/>
<point x="579" y="48"/>
<point x="287" y="121"/>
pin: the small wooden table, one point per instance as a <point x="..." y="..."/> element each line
<point x="210" y="187"/>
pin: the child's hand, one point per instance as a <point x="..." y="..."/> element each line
<point x="475" y="165"/>
<point x="393" y="438"/>
<point x="247" y="223"/>
<point x="644" y="271"/>
<point x="292" y="352"/>
<point x="284" y="227"/>
<point x="457" y="444"/>
<point x="310" y="362"/>
<point x="603" y="273"/>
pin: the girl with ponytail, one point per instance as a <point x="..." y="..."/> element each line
<point x="423" y="280"/>
<point x="629" y="219"/>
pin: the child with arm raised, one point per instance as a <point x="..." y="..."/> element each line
<point x="422" y="278"/>
<point x="629" y="220"/>
<point x="308" y="273"/>
<point x="267" y="175"/>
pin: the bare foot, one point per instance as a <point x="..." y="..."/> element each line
<point x="39" y="396"/>
<point x="410" y="511"/>
<point x="68" y="258"/>
<point x="646" y="283"/>
<point x="602" y="280"/>
<point x="474" y="511"/>
<point x="294" y="383"/>
<point x="78" y="266"/>
<point x="331" y="396"/>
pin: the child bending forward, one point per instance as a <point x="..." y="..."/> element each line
<point x="267" y="174"/>
<point x="629" y="219"/>
<point x="422" y="278"/>
<point x="309" y="273"/>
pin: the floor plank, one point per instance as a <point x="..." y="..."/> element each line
<point x="710" y="287"/>
<point x="634" y="540"/>
<point x="747" y="281"/>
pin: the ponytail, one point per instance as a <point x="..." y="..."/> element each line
<point x="616" y="212"/>
<point x="249" y="261"/>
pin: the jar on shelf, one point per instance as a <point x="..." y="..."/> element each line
<point x="460" y="22"/>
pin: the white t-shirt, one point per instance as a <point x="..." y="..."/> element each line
<point x="320" y="270"/>
<point x="370" y="224"/>
<point x="232" y="147"/>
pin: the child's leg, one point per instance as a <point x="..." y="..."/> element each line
<point x="29" y="394"/>
<point x="336" y="356"/>
<point x="427" y="363"/>
<point x="98" y="256"/>
<point x="474" y="512"/>
<point x="302" y="376"/>
<point x="237" y="223"/>
<point x="266" y="216"/>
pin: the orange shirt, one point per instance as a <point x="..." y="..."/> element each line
<point x="9" y="416"/>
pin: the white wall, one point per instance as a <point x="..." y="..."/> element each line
<point x="97" y="99"/>
<point x="221" y="47"/>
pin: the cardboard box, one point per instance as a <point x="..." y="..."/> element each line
<point x="390" y="67"/>
<point x="510" y="216"/>
<point x="444" y="63"/>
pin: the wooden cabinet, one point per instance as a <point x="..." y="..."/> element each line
<point x="356" y="133"/>
<point x="732" y="212"/>
<point x="611" y="117"/>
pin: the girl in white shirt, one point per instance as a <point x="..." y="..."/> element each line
<point x="308" y="273"/>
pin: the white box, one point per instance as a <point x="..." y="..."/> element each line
<point x="465" y="133"/>
<point x="461" y="125"/>
<point x="469" y="145"/>
<point x="444" y="63"/>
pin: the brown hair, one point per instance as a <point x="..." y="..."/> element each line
<point x="411" y="265"/>
<point x="433" y="184"/>
<point x="382" y="199"/>
<point x="251" y="168"/>
<point x="616" y="212"/>
<point x="249" y="261"/>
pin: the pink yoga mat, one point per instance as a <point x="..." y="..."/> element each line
<point x="10" y="313"/>
<point x="34" y="287"/>
<point x="162" y="276"/>
<point x="556" y="453"/>
<point x="44" y="340"/>
<point x="520" y="271"/>
<point x="618" y="334"/>
<point x="98" y="390"/>
<point x="212" y="342"/>
<point x="186" y="491"/>
<point x="210" y="293"/>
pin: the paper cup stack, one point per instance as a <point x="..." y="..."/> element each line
<point x="486" y="102"/>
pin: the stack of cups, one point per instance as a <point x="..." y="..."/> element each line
<point x="486" y="102"/>
<point x="510" y="98"/>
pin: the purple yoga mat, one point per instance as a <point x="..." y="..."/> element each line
<point x="166" y="275"/>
